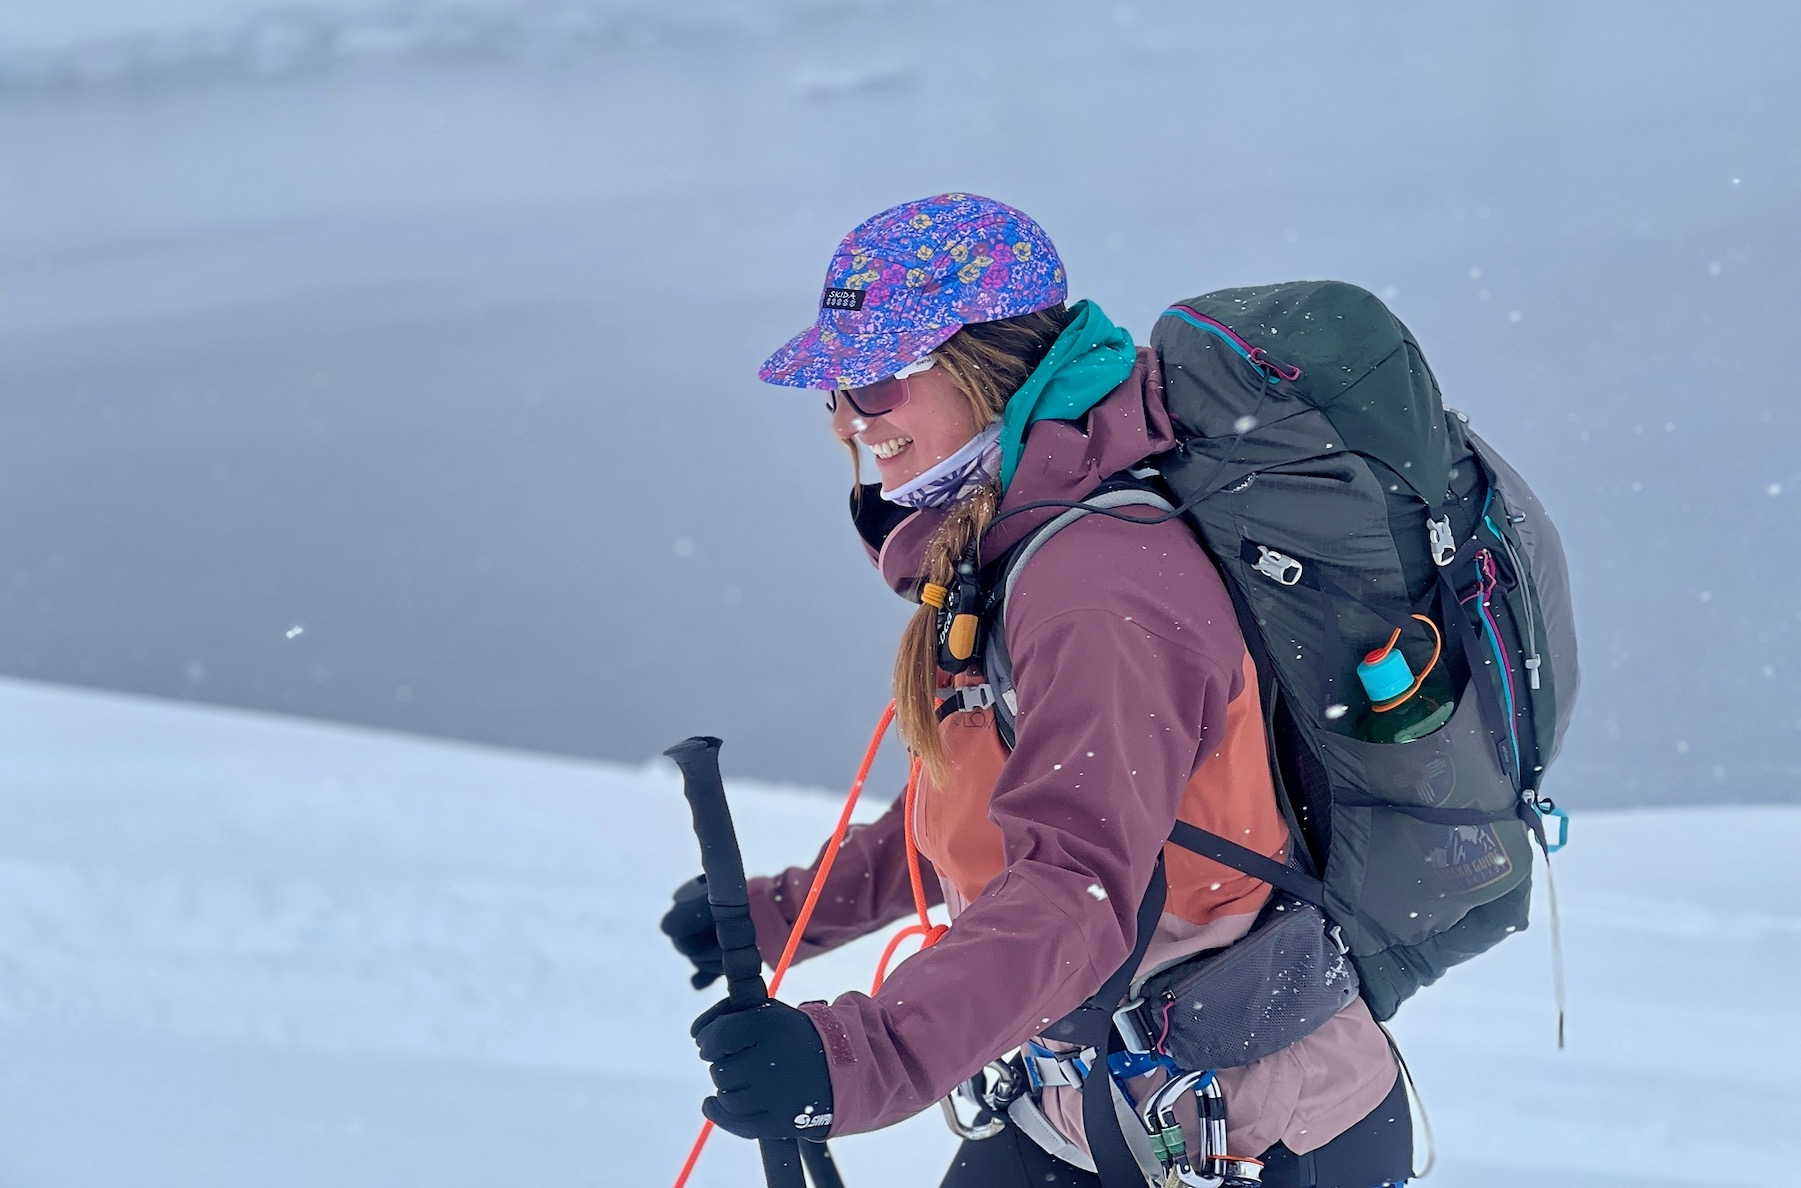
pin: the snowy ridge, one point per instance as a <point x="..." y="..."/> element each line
<point x="85" y="47"/>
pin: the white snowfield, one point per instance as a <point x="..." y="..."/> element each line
<point x="241" y="950"/>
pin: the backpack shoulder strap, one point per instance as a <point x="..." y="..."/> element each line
<point x="997" y="694"/>
<point x="997" y="664"/>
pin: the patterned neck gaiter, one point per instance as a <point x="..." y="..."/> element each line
<point x="973" y="466"/>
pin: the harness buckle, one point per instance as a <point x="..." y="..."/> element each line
<point x="1278" y="566"/>
<point x="1047" y="1068"/>
<point x="1444" y="542"/>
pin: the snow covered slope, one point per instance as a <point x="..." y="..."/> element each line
<point x="240" y="950"/>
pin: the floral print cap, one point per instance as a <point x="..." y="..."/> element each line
<point x="904" y="281"/>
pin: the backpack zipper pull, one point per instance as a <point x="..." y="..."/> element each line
<point x="1274" y="370"/>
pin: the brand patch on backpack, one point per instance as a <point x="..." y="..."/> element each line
<point x="842" y="299"/>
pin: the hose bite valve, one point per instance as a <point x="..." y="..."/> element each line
<point x="1214" y="1168"/>
<point x="959" y="607"/>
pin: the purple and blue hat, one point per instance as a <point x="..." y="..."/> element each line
<point x="904" y="281"/>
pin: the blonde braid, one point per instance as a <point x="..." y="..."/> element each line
<point x="916" y="661"/>
<point x="988" y="361"/>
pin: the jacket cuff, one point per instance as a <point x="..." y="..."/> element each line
<point x="840" y="1053"/>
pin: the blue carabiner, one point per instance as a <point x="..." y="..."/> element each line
<point x="1547" y="809"/>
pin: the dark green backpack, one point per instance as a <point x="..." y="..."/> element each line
<point x="1340" y="499"/>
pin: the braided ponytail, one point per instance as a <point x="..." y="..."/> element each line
<point x="916" y="662"/>
<point x="988" y="361"/>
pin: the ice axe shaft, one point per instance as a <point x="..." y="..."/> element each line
<point x="727" y="896"/>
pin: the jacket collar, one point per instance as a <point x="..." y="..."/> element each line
<point x="1061" y="460"/>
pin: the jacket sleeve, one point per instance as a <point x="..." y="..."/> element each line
<point x="1118" y="697"/>
<point x="868" y="887"/>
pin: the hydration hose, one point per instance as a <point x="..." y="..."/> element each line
<point x="698" y="759"/>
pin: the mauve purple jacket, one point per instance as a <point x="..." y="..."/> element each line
<point x="1126" y="656"/>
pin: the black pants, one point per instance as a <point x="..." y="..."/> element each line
<point x="1375" y="1151"/>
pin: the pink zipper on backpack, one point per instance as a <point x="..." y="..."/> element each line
<point x="1254" y="355"/>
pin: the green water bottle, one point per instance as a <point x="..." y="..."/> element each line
<point x="1386" y="677"/>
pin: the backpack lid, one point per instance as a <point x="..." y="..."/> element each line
<point x="1346" y="343"/>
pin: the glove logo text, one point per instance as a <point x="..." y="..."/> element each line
<point x="808" y="1120"/>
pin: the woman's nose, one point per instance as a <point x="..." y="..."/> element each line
<point x="845" y="421"/>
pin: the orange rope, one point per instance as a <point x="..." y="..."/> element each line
<point x="831" y="853"/>
<point x="925" y="928"/>
<point x="700" y="1144"/>
<point x="825" y="868"/>
<point x="919" y="891"/>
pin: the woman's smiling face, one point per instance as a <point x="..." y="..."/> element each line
<point x="934" y="422"/>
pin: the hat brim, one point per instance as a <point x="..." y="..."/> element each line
<point x="825" y="359"/>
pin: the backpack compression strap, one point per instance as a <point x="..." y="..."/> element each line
<point x="1248" y="861"/>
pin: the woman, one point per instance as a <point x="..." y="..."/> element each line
<point x="948" y="354"/>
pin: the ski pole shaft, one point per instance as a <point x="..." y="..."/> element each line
<point x="729" y="899"/>
<point x="821" y="1168"/>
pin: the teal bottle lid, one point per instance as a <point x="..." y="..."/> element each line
<point x="1385" y="674"/>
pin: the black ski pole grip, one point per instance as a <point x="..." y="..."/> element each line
<point x="723" y="864"/>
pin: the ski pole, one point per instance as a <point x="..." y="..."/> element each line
<point x="820" y="1167"/>
<point x="720" y="860"/>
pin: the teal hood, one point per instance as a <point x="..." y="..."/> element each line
<point x="1089" y="359"/>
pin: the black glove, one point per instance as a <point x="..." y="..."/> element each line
<point x="768" y="1064"/>
<point x="689" y="926"/>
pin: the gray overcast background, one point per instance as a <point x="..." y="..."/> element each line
<point x="431" y="330"/>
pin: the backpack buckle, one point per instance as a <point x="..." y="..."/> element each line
<point x="1444" y="541"/>
<point x="975" y="697"/>
<point x="1278" y="566"/>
